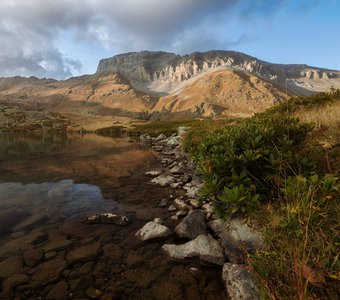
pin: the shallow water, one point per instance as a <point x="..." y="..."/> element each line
<point x="47" y="183"/>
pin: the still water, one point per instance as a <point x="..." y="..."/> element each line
<point x="47" y="184"/>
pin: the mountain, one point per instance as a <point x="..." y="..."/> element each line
<point x="165" y="85"/>
<point x="163" y="72"/>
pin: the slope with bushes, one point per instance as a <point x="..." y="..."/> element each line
<point x="276" y="168"/>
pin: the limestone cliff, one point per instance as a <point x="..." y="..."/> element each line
<point x="166" y="72"/>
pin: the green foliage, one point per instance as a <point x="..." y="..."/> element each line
<point x="296" y="103"/>
<point x="248" y="159"/>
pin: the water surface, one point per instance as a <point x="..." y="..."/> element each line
<point x="47" y="183"/>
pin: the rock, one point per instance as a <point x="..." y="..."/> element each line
<point x="172" y="208"/>
<point x="192" y="225"/>
<point x="106" y="218"/>
<point x="31" y="222"/>
<point x="145" y="139"/>
<point x="152" y="230"/>
<point x="49" y="255"/>
<point x="181" y="213"/>
<point x="82" y="254"/>
<point x="163" y="203"/>
<point x="10" y="266"/>
<point x="93" y="293"/>
<point x="60" y="243"/>
<point x="181" y="205"/>
<point x="59" y="291"/>
<point x="15" y="280"/>
<point x="177" y="170"/>
<point x="169" y="290"/>
<point x="192" y="192"/>
<point x="208" y="208"/>
<point x="153" y="173"/>
<point x="175" y="185"/>
<point x="85" y="269"/>
<point x="163" y="180"/>
<point x="195" y="203"/>
<point x="113" y="252"/>
<point x="9" y="218"/>
<point x="32" y="257"/>
<point x="186" y="178"/>
<point x="204" y="246"/>
<point x="173" y="141"/>
<point x="239" y="282"/>
<point x="158" y="220"/>
<point x="236" y="237"/>
<point x="161" y="137"/>
<point x="48" y="272"/>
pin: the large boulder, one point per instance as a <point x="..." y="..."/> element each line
<point x="239" y="282"/>
<point x="204" y="246"/>
<point x="236" y="237"/>
<point x="192" y="225"/>
<point x="153" y="230"/>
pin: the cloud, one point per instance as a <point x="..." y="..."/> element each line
<point x="30" y="29"/>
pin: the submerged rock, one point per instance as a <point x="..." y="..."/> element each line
<point x="82" y="254"/>
<point x="204" y="246"/>
<point x="239" y="282"/>
<point x="106" y="218"/>
<point x="153" y="230"/>
<point x="192" y="225"/>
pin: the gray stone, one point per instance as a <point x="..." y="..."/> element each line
<point x="181" y="205"/>
<point x="161" y="137"/>
<point x="106" y="218"/>
<point x="172" y="208"/>
<point x="175" y="185"/>
<point x="173" y="141"/>
<point x="153" y="173"/>
<point x="82" y="254"/>
<point x="181" y="213"/>
<point x="32" y="257"/>
<point x="236" y="237"/>
<point x="192" y="192"/>
<point x="192" y="225"/>
<point x="163" y="203"/>
<point x="186" y="178"/>
<point x="204" y="246"/>
<point x="153" y="230"/>
<point x="163" y="180"/>
<point x="10" y="266"/>
<point x="195" y="203"/>
<point x="177" y="170"/>
<point x="239" y="282"/>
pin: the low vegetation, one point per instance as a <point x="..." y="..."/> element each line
<point x="282" y="172"/>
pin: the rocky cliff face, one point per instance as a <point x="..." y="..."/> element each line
<point x="167" y="72"/>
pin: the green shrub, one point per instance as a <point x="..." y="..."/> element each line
<point x="249" y="159"/>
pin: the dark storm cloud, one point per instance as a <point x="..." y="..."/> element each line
<point x="30" y="29"/>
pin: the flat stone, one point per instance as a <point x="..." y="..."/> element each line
<point x="195" y="203"/>
<point x="177" y="170"/>
<point x="31" y="222"/>
<point x="153" y="230"/>
<point x="181" y="205"/>
<point x="172" y="208"/>
<point x="204" y="246"/>
<point x="163" y="180"/>
<point x="58" y="244"/>
<point x="48" y="272"/>
<point x="239" y="282"/>
<point x="32" y="257"/>
<point x="161" y="137"/>
<point x="59" y="291"/>
<point x="106" y="218"/>
<point x="11" y="266"/>
<point x="15" y="280"/>
<point x="153" y="173"/>
<point x="173" y="141"/>
<point x="192" y="225"/>
<point x="82" y="254"/>
<point x="181" y="213"/>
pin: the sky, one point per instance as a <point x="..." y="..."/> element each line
<point x="63" y="38"/>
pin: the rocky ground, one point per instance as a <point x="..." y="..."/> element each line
<point x="207" y="237"/>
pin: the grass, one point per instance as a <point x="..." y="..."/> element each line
<point x="281" y="171"/>
<point x="171" y="126"/>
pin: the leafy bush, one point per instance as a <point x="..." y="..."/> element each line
<point x="248" y="160"/>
